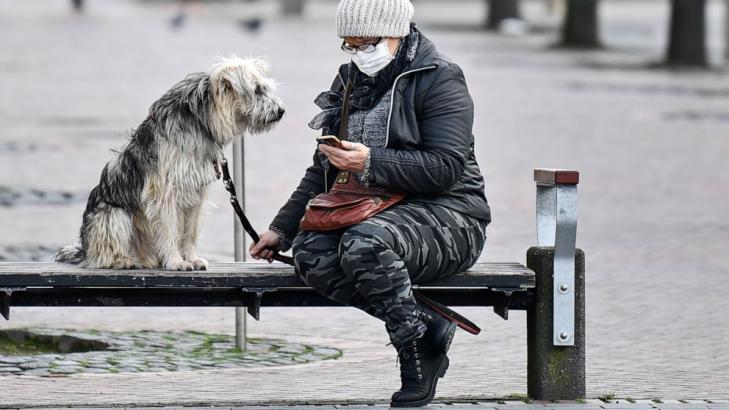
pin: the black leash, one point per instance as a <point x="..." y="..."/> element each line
<point x="448" y="313"/>
<point x="230" y="187"/>
<point x="441" y="309"/>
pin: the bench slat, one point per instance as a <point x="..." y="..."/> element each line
<point x="230" y="275"/>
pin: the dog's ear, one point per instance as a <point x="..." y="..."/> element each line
<point x="226" y="83"/>
<point x="262" y="66"/>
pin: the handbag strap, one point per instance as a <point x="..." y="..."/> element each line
<point x="344" y="120"/>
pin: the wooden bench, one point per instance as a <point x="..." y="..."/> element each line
<point x="550" y="289"/>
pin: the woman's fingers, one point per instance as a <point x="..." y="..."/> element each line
<point x="352" y="159"/>
<point x="265" y="247"/>
<point x="262" y="254"/>
<point x="258" y="249"/>
<point x="336" y="156"/>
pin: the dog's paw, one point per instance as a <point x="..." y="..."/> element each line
<point x="179" y="265"/>
<point x="126" y="263"/>
<point x="199" y="263"/>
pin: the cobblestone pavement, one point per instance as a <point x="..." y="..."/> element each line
<point x="651" y="146"/>
<point x="98" y="352"/>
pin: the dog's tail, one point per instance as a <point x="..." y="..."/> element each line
<point x="73" y="254"/>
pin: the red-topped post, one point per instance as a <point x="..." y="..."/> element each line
<point x="556" y="324"/>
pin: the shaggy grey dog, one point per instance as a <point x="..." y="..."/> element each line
<point x="145" y="212"/>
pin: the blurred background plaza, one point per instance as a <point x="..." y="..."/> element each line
<point x="650" y="139"/>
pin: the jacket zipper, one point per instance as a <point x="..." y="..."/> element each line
<point x="392" y="105"/>
<point x="392" y="98"/>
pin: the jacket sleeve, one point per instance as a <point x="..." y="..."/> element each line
<point x="445" y="128"/>
<point x="286" y="222"/>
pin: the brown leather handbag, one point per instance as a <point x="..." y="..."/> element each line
<point x="347" y="203"/>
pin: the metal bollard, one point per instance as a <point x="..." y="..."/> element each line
<point x="556" y="323"/>
<point x="239" y="239"/>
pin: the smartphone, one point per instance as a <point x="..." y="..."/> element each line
<point x="330" y="140"/>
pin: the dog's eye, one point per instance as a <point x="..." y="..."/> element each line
<point x="259" y="90"/>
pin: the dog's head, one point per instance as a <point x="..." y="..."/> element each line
<point x="243" y="98"/>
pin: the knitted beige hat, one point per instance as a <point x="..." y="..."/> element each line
<point x="374" y="18"/>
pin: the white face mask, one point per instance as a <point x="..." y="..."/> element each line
<point x="371" y="63"/>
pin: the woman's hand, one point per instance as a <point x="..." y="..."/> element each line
<point x="351" y="158"/>
<point x="264" y="248"/>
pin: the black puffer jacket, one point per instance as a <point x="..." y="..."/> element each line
<point x="429" y="151"/>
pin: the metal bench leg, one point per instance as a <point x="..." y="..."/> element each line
<point x="556" y="323"/>
<point x="5" y="295"/>
<point x="5" y="303"/>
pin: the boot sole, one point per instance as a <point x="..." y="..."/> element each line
<point x="423" y="402"/>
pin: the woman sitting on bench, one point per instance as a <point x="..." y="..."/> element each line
<point x="408" y="120"/>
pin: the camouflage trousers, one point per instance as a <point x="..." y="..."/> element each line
<point x="372" y="265"/>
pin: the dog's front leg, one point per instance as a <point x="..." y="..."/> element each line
<point x="161" y="210"/>
<point x="188" y="241"/>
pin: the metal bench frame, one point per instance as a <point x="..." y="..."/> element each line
<point x="551" y="289"/>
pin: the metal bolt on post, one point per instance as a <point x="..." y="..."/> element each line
<point x="239" y="239"/>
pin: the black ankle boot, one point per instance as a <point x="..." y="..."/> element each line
<point x="420" y="367"/>
<point x="440" y="330"/>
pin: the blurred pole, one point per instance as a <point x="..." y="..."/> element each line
<point x="581" y="24"/>
<point x="239" y="240"/>
<point x="78" y="5"/>
<point x="687" y="42"/>
<point x="292" y="7"/>
<point x="500" y="10"/>
<point x="726" y="29"/>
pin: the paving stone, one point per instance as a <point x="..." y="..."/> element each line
<point x="95" y="370"/>
<point x="326" y="352"/>
<point x="10" y="369"/>
<point x="65" y="363"/>
<point x="13" y="359"/>
<point x="37" y="372"/>
<point x="65" y="370"/>
<point x="33" y="365"/>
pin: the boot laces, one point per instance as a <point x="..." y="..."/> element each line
<point x="425" y="316"/>
<point x="408" y="357"/>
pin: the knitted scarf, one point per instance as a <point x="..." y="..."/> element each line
<point x="366" y="91"/>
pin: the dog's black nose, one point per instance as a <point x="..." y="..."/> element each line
<point x="281" y="113"/>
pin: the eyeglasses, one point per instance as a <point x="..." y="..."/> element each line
<point x="365" y="48"/>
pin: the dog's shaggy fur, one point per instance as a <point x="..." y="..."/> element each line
<point x="145" y="211"/>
